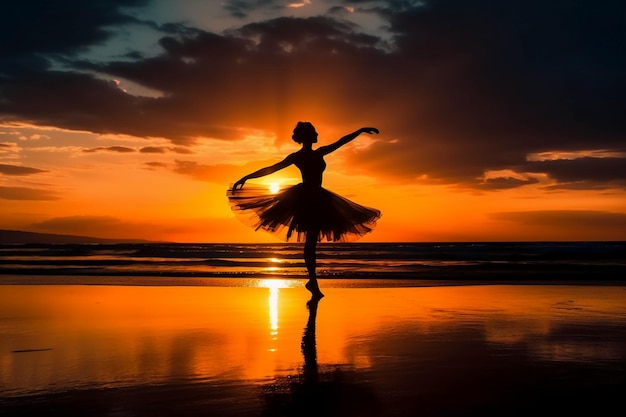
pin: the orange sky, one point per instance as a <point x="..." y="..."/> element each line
<point x="115" y="136"/>
<point x="181" y="197"/>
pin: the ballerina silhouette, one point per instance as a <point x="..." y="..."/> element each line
<point x="306" y="208"/>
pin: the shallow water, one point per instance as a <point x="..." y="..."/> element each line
<point x="431" y="261"/>
<point x="257" y="350"/>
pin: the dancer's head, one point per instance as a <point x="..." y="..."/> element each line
<point x="304" y="132"/>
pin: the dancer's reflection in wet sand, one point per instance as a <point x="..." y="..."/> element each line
<point x="309" y="348"/>
<point x="330" y="390"/>
<point x="307" y="208"/>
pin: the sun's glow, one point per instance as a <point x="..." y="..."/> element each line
<point x="274" y="187"/>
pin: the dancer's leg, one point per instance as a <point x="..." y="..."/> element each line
<point x="310" y="262"/>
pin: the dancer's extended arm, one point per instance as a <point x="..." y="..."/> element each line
<point x="265" y="171"/>
<point x="348" y="138"/>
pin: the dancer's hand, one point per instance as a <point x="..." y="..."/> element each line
<point x="369" y="130"/>
<point x="239" y="184"/>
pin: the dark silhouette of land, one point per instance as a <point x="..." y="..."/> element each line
<point x="20" y="237"/>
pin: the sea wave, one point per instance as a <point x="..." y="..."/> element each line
<point x="508" y="260"/>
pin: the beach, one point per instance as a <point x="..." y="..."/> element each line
<point x="257" y="347"/>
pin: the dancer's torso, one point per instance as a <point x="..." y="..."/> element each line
<point x="311" y="165"/>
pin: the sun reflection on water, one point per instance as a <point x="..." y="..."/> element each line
<point x="274" y="286"/>
<point x="275" y="283"/>
<point x="273" y="307"/>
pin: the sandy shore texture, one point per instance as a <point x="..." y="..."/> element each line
<point x="262" y="350"/>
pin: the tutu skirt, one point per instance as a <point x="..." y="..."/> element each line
<point x="300" y="209"/>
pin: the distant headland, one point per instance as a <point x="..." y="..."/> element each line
<point x="20" y="237"/>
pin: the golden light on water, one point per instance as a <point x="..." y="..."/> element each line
<point x="72" y="335"/>
<point x="273" y="308"/>
<point x="274" y="286"/>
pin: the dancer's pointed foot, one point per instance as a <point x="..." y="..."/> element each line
<point x="314" y="289"/>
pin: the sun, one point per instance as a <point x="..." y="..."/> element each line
<point x="274" y="187"/>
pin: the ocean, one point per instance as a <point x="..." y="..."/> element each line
<point x="228" y="329"/>
<point x="404" y="263"/>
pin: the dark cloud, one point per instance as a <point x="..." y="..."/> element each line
<point x="507" y="183"/>
<point x="242" y="8"/>
<point x="468" y="87"/>
<point x="203" y="172"/>
<point x="585" y="221"/>
<point x="24" y="193"/>
<point x="118" y="149"/>
<point x="18" y="170"/>
<point x="181" y="150"/>
<point x="587" y="170"/>
<point x="62" y="27"/>
<point x="491" y="82"/>
<point x="73" y="101"/>
<point x="153" y="149"/>
<point x="78" y="223"/>
<point x="155" y="165"/>
<point x="165" y="149"/>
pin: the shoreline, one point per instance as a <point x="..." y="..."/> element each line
<point x="610" y="271"/>
<point x="294" y="281"/>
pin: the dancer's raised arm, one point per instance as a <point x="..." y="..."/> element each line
<point x="265" y="171"/>
<point x="348" y="138"/>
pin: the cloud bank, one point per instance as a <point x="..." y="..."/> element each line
<point x="458" y="88"/>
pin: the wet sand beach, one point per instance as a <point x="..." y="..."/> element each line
<point x="258" y="349"/>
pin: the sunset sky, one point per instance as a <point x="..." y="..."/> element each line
<point x="499" y="120"/>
